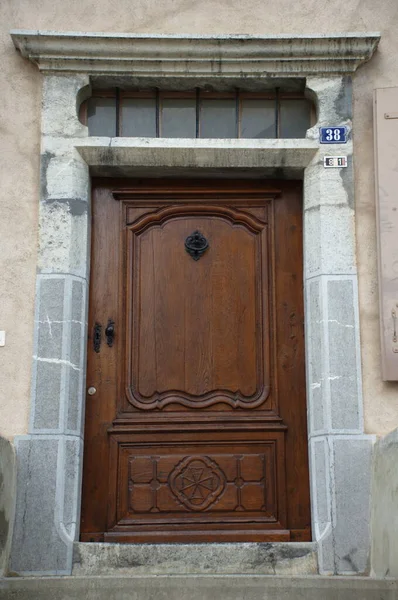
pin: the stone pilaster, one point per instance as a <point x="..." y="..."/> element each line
<point x="50" y="456"/>
<point x="340" y="452"/>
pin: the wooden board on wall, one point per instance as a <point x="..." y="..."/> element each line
<point x="386" y="172"/>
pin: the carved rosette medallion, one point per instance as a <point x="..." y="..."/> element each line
<point x="197" y="482"/>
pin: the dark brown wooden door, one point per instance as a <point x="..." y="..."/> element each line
<point x="197" y="429"/>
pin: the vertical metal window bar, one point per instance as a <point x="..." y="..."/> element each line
<point x="277" y="114"/>
<point x="118" y="112"/>
<point x="157" y="113"/>
<point x="119" y="95"/>
<point x="197" y="112"/>
<point x="237" y="113"/>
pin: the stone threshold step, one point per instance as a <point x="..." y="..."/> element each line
<point x="198" y="587"/>
<point x="275" y="558"/>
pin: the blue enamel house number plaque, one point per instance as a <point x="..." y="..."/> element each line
<point x="333" y="135"/>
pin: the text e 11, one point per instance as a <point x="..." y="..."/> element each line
<point x="333" y="135"/>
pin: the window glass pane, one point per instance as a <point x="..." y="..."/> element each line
<point x="138" y="117"/>
<point x="101" y="116"/>
<point x="178" y="118"/>
<point x="257" y="119"/>
<point x="218" y="118"/>
<point x="294" y="118"/>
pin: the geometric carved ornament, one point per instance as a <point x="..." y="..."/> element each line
<point x="197" y="482"/>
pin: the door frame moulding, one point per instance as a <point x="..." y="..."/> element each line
<point x="50" y="456"/>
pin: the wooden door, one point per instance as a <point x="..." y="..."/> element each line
<point x="197" y="429"/>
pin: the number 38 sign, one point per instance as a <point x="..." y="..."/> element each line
<point x="333" y="135"/>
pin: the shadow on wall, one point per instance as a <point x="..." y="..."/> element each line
<point x="7" y="500"/>
<point x="385" y="507"/>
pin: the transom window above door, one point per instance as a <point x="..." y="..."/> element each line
<point x="197" y="114"/>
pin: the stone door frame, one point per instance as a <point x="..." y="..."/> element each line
<point x="50" y="456"/>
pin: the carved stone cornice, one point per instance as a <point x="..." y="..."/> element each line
<point x="193" y="56"/>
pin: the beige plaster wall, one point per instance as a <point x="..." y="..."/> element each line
<point x="19" y="151"/>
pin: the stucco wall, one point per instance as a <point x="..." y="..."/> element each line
<point x="19" y="125"/>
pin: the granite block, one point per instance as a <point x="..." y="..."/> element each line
<point x="352" y="479"/>
<point x="37" y="544"/>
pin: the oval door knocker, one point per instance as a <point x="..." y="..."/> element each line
<point x="196" y="245"/>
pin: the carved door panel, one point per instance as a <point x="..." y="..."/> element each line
<point x="197" y="429"/>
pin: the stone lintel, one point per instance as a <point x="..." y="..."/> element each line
<point x="127" y="157"/>
<point x="164" y="56"/>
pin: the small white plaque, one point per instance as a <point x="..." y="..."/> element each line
<point x="334" y="161"/>
<point x="2" y="338"/>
